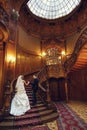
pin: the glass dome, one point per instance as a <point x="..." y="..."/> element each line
<point x="52" y="9"/>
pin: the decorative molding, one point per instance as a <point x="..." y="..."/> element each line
<point x="62" y="28"/>
<point x="1" y="35"/>
<point x="4" y="17"/>
<point x="25" y="51"/>
<point x="14" y="15"/>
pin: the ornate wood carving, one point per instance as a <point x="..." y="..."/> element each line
<point x="4" y="17"/>
<point x="60" y="28"/>
<point x="1" y="35"/>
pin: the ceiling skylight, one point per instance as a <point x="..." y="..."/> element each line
<point x="52" y="9"/>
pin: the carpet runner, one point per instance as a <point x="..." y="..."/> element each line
<point x="68" y="119"/>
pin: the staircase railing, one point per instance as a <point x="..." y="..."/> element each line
<point x="82" y="40"/>
<point x="44" y="90"/>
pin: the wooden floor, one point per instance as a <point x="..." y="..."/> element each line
<point x="80" y="108"/>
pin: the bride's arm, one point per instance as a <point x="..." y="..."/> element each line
<point x="26" y="83"/>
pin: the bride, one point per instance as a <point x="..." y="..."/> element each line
<point x="20" y="103"/>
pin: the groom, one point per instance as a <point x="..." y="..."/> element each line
<point x="34" y="89"/>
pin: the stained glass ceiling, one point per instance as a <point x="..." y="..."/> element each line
<point x="52" y="9"/>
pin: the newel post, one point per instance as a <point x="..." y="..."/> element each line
<point x="48" y="92"/>
<point x="66" y="90"/>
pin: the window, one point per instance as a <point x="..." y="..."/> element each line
<point x="52" y="9"/>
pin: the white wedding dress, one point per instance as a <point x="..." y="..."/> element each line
<point x="20" y="103"/>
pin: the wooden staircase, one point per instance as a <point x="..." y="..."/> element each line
<point x="81" y="61"/>
<point x="37" y="115"/>
<point x="78" y="58"/>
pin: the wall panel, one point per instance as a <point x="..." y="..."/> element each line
<point x="27" y="61"/>
<point x="77" y="83"/>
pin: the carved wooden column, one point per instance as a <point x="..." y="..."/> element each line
<point x="4" y="20"/>
<point x="48" y="93"/>
<point x="11" y="59"/>
<point x="1" y="73"/>
<point x="47" y="84"/>
<point x="66" y="90"/>
<point x="49" y="101"/>
<point x="6" y="99"/>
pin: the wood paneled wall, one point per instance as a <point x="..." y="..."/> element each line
<point x="77" y="84"/>
<point x="27" y="62"/>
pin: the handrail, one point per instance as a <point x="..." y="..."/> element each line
<point x="44" y="89"/>
<point x="42" y="74"/>
<point x="41" y="87"/>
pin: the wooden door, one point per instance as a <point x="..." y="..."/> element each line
<point x="57" y="89"/>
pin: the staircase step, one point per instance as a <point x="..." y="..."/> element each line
<point x="49" y="118"/>
<point x="28" y="122"/>
<point x="21" y="123"/>
<point x="47" y="112"/>
<point x="29" y="115"/>
<point x="33" y="115"/>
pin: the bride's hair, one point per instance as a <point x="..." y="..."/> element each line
<point x="22" y="77"/>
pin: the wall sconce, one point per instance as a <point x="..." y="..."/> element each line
<point x="11" y="59"/>
<point x="43" y="54"/>
<point x="63" y="56"/>
<point x="63" y="53"/>
<point x="10" y="71"/>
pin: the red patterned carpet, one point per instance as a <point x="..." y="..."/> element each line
<point x="68" y="119"/>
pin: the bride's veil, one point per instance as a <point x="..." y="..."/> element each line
<point x="19" y="81"/>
